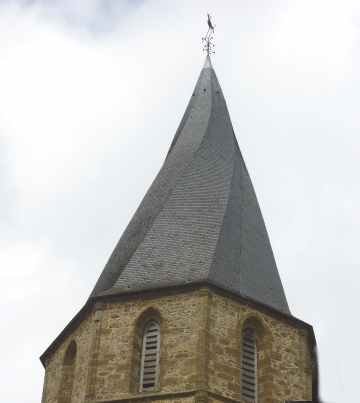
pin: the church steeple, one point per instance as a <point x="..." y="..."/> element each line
<point x="190" y="307"/>
<point x="200" y="220"/>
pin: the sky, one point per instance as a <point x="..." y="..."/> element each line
<point x="91" y="93"/>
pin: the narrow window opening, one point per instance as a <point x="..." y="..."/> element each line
<point x="248" y="366"/>
<point x="150" y="357"/>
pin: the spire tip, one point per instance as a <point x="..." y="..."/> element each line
<point x="207" y="64"/>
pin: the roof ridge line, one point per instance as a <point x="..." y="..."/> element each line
<point x="222" y="223"/>
<point x="175" y="182"/>
<point x="183" y="120"/>
<point x="227" y="201"/>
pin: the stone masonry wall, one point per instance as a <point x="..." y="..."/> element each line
<point x="284" y="364"/>
<point x="105" y="342"/>
<point x="200" y="351"/>
<point x="54" y="368"/>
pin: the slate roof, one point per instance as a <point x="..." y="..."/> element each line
<point x="200" y="220"/>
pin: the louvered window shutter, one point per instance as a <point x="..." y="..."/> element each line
<point x="150" y="357"/>
<point x="248" y="366"/>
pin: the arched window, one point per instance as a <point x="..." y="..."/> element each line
<point x="150" y="356"/>
<point x="248" y="365"/>
<point x="67" y="376"/>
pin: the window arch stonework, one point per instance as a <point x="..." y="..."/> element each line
<point x="146" y="341"/>
<point x="263" y="346"/>
<point x="67" y="374"/>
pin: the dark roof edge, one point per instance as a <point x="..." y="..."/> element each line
<point x="87" y="308"/>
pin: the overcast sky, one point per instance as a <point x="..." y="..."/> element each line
<point x="91" y="93"/>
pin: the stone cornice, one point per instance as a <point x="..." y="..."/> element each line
<point x="148" y="397"/>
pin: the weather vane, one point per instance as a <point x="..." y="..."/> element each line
<point x="207" y="40"/>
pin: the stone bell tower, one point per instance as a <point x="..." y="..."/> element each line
<point x="190" y="306"/>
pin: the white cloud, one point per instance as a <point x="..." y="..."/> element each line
<point x="35" y="282"/>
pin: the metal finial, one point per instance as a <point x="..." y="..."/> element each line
<point x="207" y="40"/>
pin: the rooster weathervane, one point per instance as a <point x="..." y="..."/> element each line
<point x="207" y="40"/>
